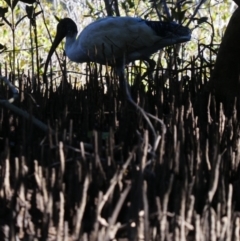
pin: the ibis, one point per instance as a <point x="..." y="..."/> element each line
<point x="116" y="40"/>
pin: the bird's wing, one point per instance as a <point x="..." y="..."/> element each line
<point x="111" y="38"/>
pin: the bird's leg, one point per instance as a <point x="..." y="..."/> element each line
<point x="120" y="69"/>
<point x="125" y="87"/>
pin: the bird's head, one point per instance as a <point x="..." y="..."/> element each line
<point x="65" y="28"/>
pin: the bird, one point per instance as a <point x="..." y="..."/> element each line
<point x="116" y="41"/>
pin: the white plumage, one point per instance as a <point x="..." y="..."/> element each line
<point x="112" y="38"/>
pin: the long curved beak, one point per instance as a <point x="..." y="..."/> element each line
<point x="58" y="38"/>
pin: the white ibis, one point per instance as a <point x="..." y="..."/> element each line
<point x="112" y="39"/>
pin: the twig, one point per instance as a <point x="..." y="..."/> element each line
<point x="81" y="209"/>
<point x="112" y="228"/>
<point x="215" y="178"/>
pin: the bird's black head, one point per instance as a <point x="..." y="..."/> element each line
<point x="65" y="27"/>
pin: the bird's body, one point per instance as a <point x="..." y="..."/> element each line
<point x="111" y="39"/>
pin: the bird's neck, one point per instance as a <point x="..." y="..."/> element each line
<point x="74" y="51"/>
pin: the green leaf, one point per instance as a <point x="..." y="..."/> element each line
<point x="123" y="5"/>
<point x="181" y="15"/>
<point x="3" y="11"/>
<point x="28" y="1"/>
<point x="90" y="6"/>
<point x="202" y="20"/>
<point x="14" y="3"/>
<point x="130" y="3"/>
<point x="178" y="15"/>
<point x="30" y="11"/>
<point x="2" y="48"/>
<point x="186" y="2"/>
<point x="57" y="18"/>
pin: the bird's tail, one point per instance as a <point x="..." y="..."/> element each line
<point x="167" y="29"/>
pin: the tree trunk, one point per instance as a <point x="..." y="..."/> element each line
<point x="226" y="75"/>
